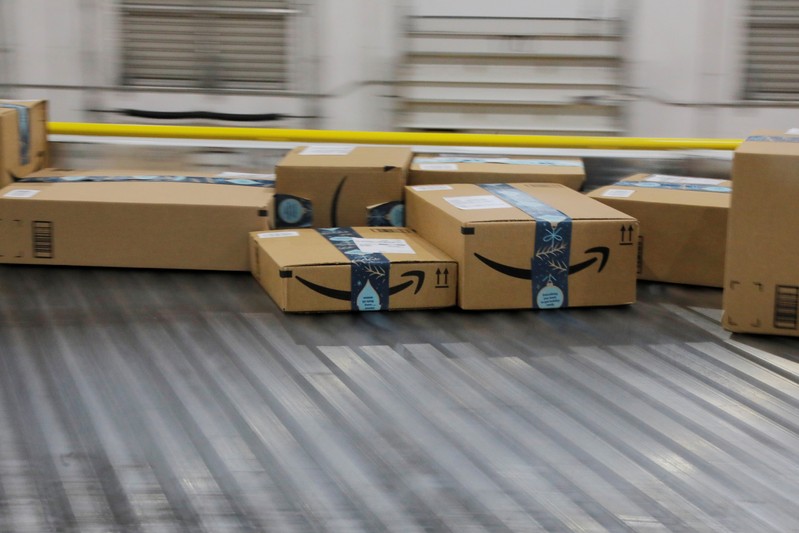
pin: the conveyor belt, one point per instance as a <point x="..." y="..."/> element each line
<point x="180" y="401"/>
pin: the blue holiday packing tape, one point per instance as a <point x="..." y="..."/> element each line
<point x="675" y="186"/>
<point x="369" y="272"/>
<point x="773" y="138"/>
<point x="551" y="249"/>
<point x="500" y="160"/>
<point x="155" y="178"/>
<point x="23" y="118"/>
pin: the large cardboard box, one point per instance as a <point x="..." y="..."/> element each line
<point x="30" y="130"/>
<point x="352" y="269"/>
<point x="445" y="169"/>
<point x="523" y="245"/>
<point x="761" y="280"/>
<point x="9" y="145"/>
<point x="683" y="224"/>
<point x="323" y="186"/>
<point x="132" y="219"/>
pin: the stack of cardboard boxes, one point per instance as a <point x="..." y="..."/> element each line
<point x="373" y="228"/>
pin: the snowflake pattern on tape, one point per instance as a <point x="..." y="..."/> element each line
<point x="23" y="118"/>
<point x="369" y="272"/>
<point x="675" y="186"/>
<point x="246" y="182"/>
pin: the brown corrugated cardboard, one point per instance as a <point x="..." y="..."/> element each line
<point x="137" y="219"/>
<point x="683" y="224"/>
<point x="352" y="269"/>
<point x="30" y="129"/>
<point x="328" y="186"/>
<point x="574" y="252"/>
<point x="453" y="168"/>
<point x="761" y="280"/>
<point x="9" y="145"/>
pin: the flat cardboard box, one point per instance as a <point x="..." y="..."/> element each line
<point x="30" y="129"/>
<point x="761" y="280"/>
<point x="453" y="168"/>
<point x="129" y="218"/>
<point x="9" y="145"/>
<point x="683" y="223"/>
<point x="516" y="248"/>
<point x="329" y="186"/>
<point x="352" y="269"/>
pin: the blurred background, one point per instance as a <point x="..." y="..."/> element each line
<point x="685" y="68"/>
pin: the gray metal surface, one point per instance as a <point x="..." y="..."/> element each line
<point x="182" y="401"/>
<point x="138" y="401"/>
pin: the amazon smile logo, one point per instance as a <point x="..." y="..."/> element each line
<point x="601" y="255"/>
<point x="417" y="275"/>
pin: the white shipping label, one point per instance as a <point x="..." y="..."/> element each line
<point x="438" y="166"/>
<point x="278" y="234"/>
<point x="327" y="150"/>
<point x="21" y="193"/>
<point x="431" y="188"/>
<point x="383" y="246"/>
<point x="247" y="175"/>
<point x="618" y="193"/>
<point x="793" y="131"/>
<point x="682" y="180"/>
<point x="484" y="201"/>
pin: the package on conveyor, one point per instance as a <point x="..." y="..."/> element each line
<point x="23" y="138"/>
<point x="761" y="279"/>
<point x="328" y="186"/>
<point x="133" y="218"/>
<point x="352" y="269"/>
<point x="683" y="225"/>
<point x="454" y="168"/>
<point x="528" y="245"/>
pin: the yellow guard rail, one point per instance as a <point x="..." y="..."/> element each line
<point x="386" y="137"/>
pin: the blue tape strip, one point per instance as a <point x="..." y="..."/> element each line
<point x="369" y="272"/>
<point x="675" y="186"/>
<point x="552" y="247"/>
<point x="773" y="139"/>
<point x="23" y="117"/>
<point x="500" y="160"/>
<point x="178" y="179"/>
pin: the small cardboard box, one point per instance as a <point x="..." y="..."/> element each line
<point x="122" y="218"/>
<point x="523" y="245"/>
<point x="329" y="186"/>
<point x="683" y="225"/>
<point x="30" y="130"/>
<point x="761" y="280"/>
<point x="9" y="145"/>
<point x="446" y="169"/>
<point x="352" y="269"/>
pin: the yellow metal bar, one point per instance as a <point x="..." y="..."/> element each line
<point x="387" y="137"/>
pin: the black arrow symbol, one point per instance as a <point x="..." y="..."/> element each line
<point x="623" y="234"/>
<point x="446" y="276"/>
<point x="524" y="273"/>
<point x="347" y="295"/>
<point x="334" y="204"/>
<point x="438" y="276"/>
<point x="630" y="233"/>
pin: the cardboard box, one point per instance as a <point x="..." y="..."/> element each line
<point x="132" y="219"/>
<point x="352" y="269"/>
<point x="683" y="224"/>
<point x="761" y="280"/>
<point x="329" y="186"/>
<point x="9" y="145"/>
<point x="30" y="130"/>
<point x="445" y="169"/>
<point x="523" y="245"/>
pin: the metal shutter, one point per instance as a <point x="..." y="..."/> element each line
<point x="478" y="74"/>
<point x="772" y="52"/>
<point x="237" y="44"/>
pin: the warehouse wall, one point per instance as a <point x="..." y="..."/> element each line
<point x="684" y="67"/>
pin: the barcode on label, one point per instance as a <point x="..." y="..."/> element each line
<point x="42" y="239"/>
<point x="640" y="261"/>
<point x="786" y="305"/>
